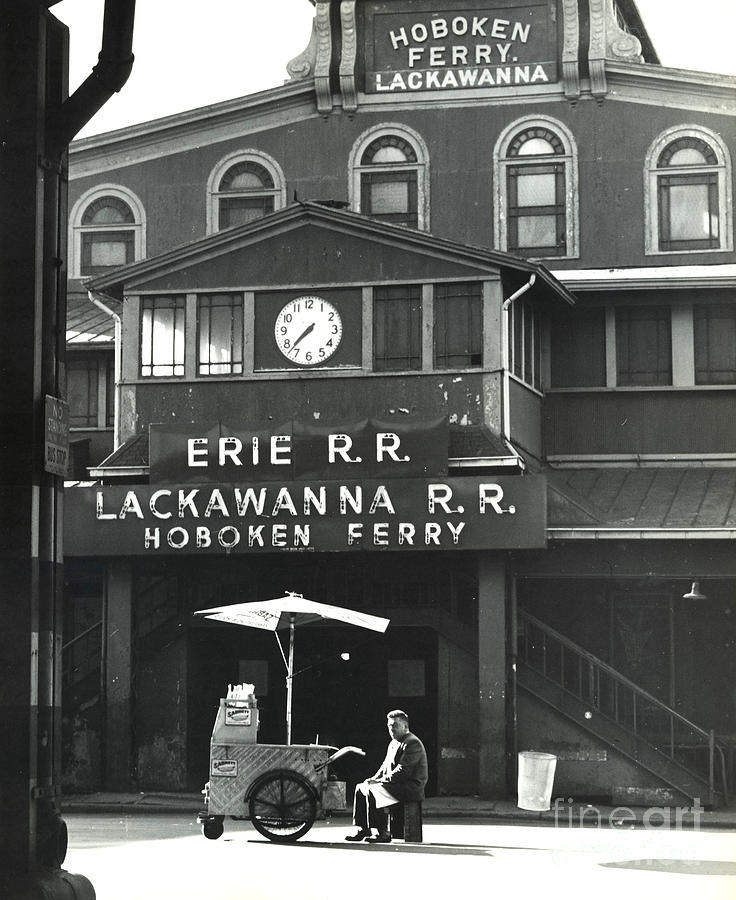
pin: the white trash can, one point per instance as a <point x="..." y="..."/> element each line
<point x="536" y="777"/>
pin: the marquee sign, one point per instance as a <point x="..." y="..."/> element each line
<point x="506" y="512"/>
<point x="484" y="45"/>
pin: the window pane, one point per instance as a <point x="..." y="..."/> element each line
<point x="689" y="218"/>
<point x="397" y="323"/>
<point x="241" y="210"/>
<point x="644" y="346"/>
<point x="536" y="190"/>
<point x="458" y="330"/>
<point x="715" y="344"/>
<point x="392" y="197"/>
<point x="537" y="231"/>
<point x="536" y="147"/>
<point x="108" y="253"/>
<point x="220" y="335"/>
<point x="162" y="336"/>
<point x="102" y="250"/>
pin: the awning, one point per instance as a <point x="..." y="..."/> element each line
<point x="646" y="502"/>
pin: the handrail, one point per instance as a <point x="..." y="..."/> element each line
<point x="596" y="667"/>
<point x="82" y="634"/>
<point x="609" y="670"/>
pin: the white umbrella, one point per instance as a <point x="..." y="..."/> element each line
<point x="289" y="611"/>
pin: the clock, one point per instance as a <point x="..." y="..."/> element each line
<point x="308" y="330"/>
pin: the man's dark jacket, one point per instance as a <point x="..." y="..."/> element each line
<point x="404" y="770"/>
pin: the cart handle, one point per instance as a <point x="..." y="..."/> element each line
<point x="338" y="754"/>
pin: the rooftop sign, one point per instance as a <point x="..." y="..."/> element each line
<point x="485" y="45"/>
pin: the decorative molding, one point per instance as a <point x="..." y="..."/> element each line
<point x="597" y="48"/>
<point x="302" y="66"/>
<point x="608" y="41"/>
<point x="349" y="55"/>
<point x="570" y="49"/>
<point x="620" y="44"/>
<point x="323" y="31"/>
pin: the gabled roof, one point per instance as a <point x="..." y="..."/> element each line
<point x="307" y="242"/>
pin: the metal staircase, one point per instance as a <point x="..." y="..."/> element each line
<point x="606" y="704"/>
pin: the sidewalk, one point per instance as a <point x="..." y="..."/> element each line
<point x="563" y="814"/>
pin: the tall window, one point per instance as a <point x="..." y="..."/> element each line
<point x="643" y="345"/>
<point x="536" y="183"/>
<point x="90" y="388"/>
<point x="525" y="343"/>
<point x="397" y="328"/>
<point x="458" y="325"/>
<point x="715" y="344"/>
<point x="688" y="191"/>
<point x="220" y="329"/>
<point x="107" y="231"/>
<point x="243" y="187"/>
<point x="389" y="179"/>
<point x="162" y="336"/>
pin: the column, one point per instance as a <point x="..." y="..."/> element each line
<point x="492" y="675"/>
<point x="118" y="675"/>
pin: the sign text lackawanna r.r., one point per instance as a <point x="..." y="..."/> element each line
<point x="403" y="514"/>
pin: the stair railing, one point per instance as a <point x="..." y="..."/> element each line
<point x="611" y="694"/>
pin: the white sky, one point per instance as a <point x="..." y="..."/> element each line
<point x="191" y="53"/>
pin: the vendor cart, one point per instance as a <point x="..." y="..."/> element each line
<point x="282" y="789"/>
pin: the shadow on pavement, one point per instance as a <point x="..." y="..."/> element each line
<point x="677" y="866"/>
<point x="452" y="849"/>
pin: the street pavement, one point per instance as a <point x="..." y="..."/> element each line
<point x="135" y="853"/>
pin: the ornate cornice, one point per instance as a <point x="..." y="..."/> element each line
<point x="349" y="54"/>
<point x="608" y="41"/>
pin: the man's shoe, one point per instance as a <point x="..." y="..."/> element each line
<point x="358" y="836"/>
<point x="383" y="837"/>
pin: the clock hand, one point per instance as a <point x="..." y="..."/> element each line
<point x="308" y="330"/>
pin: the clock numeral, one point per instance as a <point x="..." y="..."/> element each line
<point x="308" y="357"/>
<point x="283" y="329"/>
<point x="309" y="304"/>
<point x="335" y="329"/>
<point x="329" y="343"/>
<point x="287" y="317"/>
<point x="287" y="344"/>
<point x="296" y="352"/>
<point x="321" y="352"/>
<point x="331" y="317"/>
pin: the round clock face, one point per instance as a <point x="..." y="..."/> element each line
<point x="308" y="330"/>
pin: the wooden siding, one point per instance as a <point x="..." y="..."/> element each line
<point x="640" y="422"/>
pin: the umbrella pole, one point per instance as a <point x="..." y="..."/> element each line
<point x="289" y="679"/>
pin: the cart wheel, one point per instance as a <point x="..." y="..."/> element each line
<point x="282" y="805"/>
<point x="213" y="828"/>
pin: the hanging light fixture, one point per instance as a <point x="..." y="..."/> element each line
<point x="694" y="593"/>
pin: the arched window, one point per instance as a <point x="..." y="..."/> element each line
<point x="688" y="183"/>
<point x="536" y="190"/>
<point x="389" y="181"/>
<point x="243" y="187"/>
<point x="107" y="231"/>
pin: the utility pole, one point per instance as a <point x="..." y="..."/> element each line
<point x="37" y="121"/>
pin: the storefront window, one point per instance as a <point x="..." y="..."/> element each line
<point x="525" y="343"/>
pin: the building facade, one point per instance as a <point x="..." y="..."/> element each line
<point x="444" y="329"/>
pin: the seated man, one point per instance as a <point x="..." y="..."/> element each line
<point x="402" y="776"/>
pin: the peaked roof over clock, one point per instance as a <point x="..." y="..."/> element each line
<point x="314" y="243"/>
